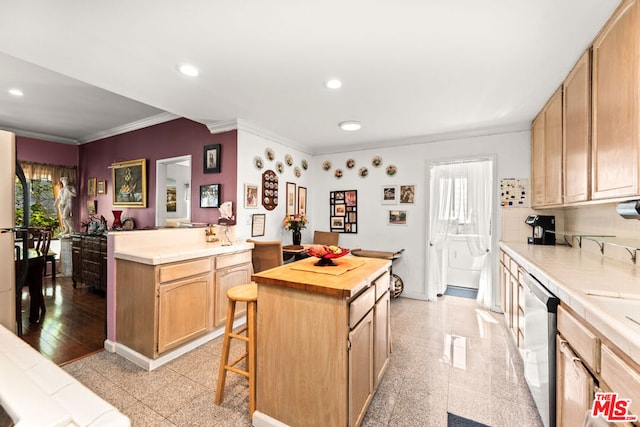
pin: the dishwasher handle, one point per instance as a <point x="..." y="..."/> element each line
<point x="540" y="292"/>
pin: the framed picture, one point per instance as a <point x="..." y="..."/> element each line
<point x="397" y="217"/>
<point x="210" y="196"/>
<point x="250" y="196"/>
<point x="343" y="211"/>
<point x="91" y="187"/>
<point x="407" y="194"/>
<point x="389" y="194"/>
<point x="102" y="187"/>
<point x="171" y="195"/>
<point x="92" y="207"/>
<point x="130" y="183"/>
<point x="302" y="200"/>
<point x="257" y="225"/>
<point x="212" y="158"/>
<point x="291" y="198"/>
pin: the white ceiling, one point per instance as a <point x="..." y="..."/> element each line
<point x="412" y="70"/>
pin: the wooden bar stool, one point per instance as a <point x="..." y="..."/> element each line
<point x="249" y="294"/>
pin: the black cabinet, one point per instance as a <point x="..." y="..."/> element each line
<point x="89" y="255"/>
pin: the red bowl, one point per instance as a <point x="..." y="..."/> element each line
<point x="331" y="256"/>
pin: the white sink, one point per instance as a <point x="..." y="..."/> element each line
<point x="625" y="309"/>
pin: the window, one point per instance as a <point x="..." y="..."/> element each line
<point x="42" y="210"/>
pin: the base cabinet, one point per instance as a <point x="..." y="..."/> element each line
<point x="231" y="270"/>
<point x="574" y="386"/>
<point x="89" y="258"/>
<point x="360" y="368"/>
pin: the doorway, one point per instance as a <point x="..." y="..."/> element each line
<point x="459" y="228"/>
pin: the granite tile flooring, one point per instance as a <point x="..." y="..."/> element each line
<point x="448" y="356"/>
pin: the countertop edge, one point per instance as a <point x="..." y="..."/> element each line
<point x="164" y="255"/>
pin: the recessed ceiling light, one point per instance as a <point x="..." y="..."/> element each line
<point x="188" y="70"/>
<point x="350" y="125"/>
<point x="16" y="92"/>
<point x="333" y="84"/>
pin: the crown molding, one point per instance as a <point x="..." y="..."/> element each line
<point x="42" y="136"/>
<point x="140" y="124"/>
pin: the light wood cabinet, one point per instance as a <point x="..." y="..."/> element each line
<point x="360" y="368"/>
<point x="621" y="376"/>
<point x="574" y="386"/>
<point x="159" y="307"/>
<point x="230" y="270"/>
<point x="381" y="338"/>
<point x="576" y="128"/>
<point x="546" y="154"/>
<point x="616" y="105"/>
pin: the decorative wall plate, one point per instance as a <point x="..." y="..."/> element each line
<point x="351" y="163"/>
<point x="279" y="167"/>
<point x="269" y="154"/>
<point x="305" y="164"/>
<point x="338" y="173"/>
<point x="391" y="170"/>
<point x="288" y="159"/>
<point x="376" y="161"/>
<point x="363" y="172"/>
<point x="297" y="171"/>
<point x="326" y="165"/>
<point x="258" y="162"/>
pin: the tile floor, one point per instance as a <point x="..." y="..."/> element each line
<point x="448" y="356"/>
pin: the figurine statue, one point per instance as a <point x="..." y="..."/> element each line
<point x="64" y="203"/>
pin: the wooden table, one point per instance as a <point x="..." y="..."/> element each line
<point x="35" y="269"/>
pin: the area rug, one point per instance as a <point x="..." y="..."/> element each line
<point x="460" y="291"/>
<point x="454" y="420"/>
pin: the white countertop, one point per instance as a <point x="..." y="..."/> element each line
<point x="580" y="279"/>
<point x="173" y="252"/>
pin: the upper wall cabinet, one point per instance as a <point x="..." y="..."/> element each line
<point x="546" y="154"/>
<point x="576" y="129"/>
<point x="616" y="109"/>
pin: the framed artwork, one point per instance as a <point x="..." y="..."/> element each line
<point x="291" y="198"/>
<point x="130" y="183"/>
<point x="389" y="194"/>
<point x="210" y="196"/>
<point x="171" y="195"/>
<point x="92" y="207"/>
<point x="302" y="200"/>
<point x="257" y="225"/>
<point x="102" y="187"/>
<point x="343" y="211"/>
<point x="211" y="158"/>
<point x="91" y="187"/>
<point x="397" y="217"/>
<point x="250" y="196"/>
<point x="407" y="194"/>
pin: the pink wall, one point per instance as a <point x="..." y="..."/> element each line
<point x="171" y="139"/>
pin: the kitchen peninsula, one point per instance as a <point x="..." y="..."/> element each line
<point x="170" y="291"/>
<point x="323" y="341"/>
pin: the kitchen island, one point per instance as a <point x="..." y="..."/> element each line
<point x="323" y="341"/>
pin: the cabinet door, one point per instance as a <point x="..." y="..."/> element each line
<point x="616" y="112"/>
<point x="537" y="161"/>
<point x="381" y="336"/>
<point x="360" y="368"/>
<point x="183" y="311"/>
<point x="577" y="131"/>
<point x="225" y="280"/>
<point x="553" y="150"/>
<point x="574" y="386"/>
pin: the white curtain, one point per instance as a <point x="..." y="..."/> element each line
<point x="461" y="203"/>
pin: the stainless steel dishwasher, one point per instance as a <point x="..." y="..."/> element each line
<point x="539" y="350"/>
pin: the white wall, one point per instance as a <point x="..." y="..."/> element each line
<point x="249" y="147"/>
<point x="511" y="151"/>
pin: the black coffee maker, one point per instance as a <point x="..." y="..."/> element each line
<point x="542" y="225"/>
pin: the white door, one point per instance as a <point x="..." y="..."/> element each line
<point x="7" y="221"/>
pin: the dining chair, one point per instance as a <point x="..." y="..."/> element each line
<point x="326" y="238"/>
<point x="42" y="246"/>
<point x="266" y="255"/>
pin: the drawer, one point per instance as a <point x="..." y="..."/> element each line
<point x="224" y="261"/>
<point x="581" y="339"/>
<point x="513" y="267"/>
<point x="382" y="284"/>
<point x="179" y="270"/>
<point x="361" y="306"/>
<point x="621" y="378"/>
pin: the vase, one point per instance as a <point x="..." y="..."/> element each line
<point x="117" y="223"/>
<point x="297" y="237"/>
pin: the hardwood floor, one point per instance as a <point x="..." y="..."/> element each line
<point x="74" y="324"/>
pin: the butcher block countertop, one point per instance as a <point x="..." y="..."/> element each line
<point x="345" y="280"/>
<point x="604" y="291"/>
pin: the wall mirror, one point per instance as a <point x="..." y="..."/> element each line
<point x="173" y="191"/>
